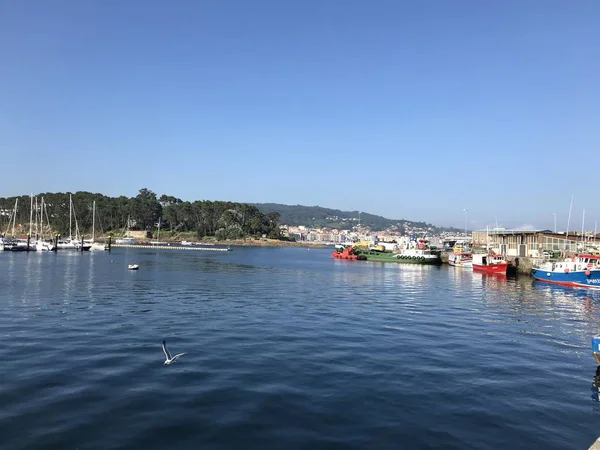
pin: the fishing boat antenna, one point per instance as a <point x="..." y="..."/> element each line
<point x="569" y="219"/>
<point x="582" y="231"/>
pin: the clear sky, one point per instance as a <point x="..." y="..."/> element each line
<point x="408" y="109"/>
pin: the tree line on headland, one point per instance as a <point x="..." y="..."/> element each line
<point x="219" y="219"/>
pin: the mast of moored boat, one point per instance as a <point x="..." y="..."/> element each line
<point x="94" y="221"/>
<point x="15" y="217"/>
<point x="582" y="231"/>
<point x="569" y="219"/>
<point x="31" y="215"/>
<point x="41" y="218"/>
<point x="70" y="217"/>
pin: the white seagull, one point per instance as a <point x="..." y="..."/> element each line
<point x="170" y="359"/>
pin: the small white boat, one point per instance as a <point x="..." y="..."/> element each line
<point x="133" y="267"/>
<point x="128" y="240"/>
<point x="460" y="259"/>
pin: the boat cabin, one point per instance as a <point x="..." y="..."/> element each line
<point x="485" y="259"/>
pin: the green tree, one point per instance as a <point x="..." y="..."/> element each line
<point x="145" y="209"/>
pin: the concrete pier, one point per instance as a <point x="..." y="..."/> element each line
<point x="525" y="265"/>
<point x="172" y="247"/>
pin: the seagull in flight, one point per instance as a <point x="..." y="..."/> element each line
<point x="170" y="359"/>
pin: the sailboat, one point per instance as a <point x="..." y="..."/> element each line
<point x="41" y="244"/>
<point x="95" y="245"/>
<point x="70" y="243"/>
<point x="12" y="244"/>
<point x="157" y="242"/>
<point x="128" y="239"/>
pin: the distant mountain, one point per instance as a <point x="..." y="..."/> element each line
<point x="317" y="216"/>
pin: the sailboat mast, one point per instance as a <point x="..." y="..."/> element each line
<point x="15" y="217"/>
<point x="70" y="217"/>
<point x="569" y="219"/>
<point x="31" y="215"/>
<point x="41" y="218"/>
<point x="38" y="228"/>
<point x="582" y="224"/>
<point x="94" y="221"/>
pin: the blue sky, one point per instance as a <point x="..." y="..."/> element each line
<point x="410" y="110"/>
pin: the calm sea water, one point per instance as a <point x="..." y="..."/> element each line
<point x="288" y="349"/>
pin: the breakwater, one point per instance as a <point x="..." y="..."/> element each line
<point x="173" y="247"/>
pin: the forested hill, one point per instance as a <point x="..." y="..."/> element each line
<point x="317" y="216"/>
<point x="146" y="211"/>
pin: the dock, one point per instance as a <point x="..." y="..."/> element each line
<point x="173" y="247"/>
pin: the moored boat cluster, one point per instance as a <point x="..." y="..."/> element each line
<point x="582" y="270"/>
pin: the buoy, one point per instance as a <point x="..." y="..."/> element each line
<point x="587" y="273"/>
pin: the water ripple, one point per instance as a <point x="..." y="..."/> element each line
<point x="288" y="349"/>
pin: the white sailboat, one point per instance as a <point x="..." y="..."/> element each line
<point x="157" y="242"/>
<point x="70" y="243"/>
<point x="95" y="245"/>
<point x="7" y="243"/>
<point x="128" y="239"/>
<point x="41" y="244"/>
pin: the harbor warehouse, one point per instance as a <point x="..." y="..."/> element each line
<point x="525" y="243"/>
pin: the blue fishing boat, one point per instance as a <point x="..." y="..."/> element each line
<point x="581" y="271"/>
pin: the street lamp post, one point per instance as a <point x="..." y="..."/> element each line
<point x="554" y="223"/>
<point x="466" y="215"/>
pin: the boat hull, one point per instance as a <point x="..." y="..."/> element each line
<point x="394" y="257"/>
<point x="468" y="264"/>
<point x="492" y="269"/>
<point x="573" y="278"/>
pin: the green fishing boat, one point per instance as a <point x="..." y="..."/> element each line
<point x="418" y="252"/>
<point x="408" y="256"/>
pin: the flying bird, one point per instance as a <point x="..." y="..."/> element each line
<point x="170" y="359"/>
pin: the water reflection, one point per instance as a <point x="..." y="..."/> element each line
<point x="596" y="386"/>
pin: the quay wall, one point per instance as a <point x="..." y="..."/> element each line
<point x="525" y="265"/>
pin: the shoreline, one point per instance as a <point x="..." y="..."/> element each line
<point x="263" y="242"/>
<point x="245" y="242"/>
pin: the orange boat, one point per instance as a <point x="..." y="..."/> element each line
<point x="348" y="253"/>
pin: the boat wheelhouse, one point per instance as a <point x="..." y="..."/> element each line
<point x="491" y="264"/>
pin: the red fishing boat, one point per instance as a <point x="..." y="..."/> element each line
<point x="490" y="263"/>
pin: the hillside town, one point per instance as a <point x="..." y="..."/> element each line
<point x="327" y="236"/>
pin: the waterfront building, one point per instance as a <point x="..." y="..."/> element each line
<point x="530" y="243"/>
